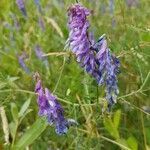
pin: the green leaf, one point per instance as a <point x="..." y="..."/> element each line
<point x="132" y="143"/>
<point x="2" y="85"/>
<point x="116" y="119"/>
<point x="12" y="79"/>
<point x="122" y="142"/>
<point x="13" y="129"/>
<point x="14" y="112"/>
<point x="24" y="107"/>
<point x="32" y="134"/>
<point x="110" y="128"/>
<point x="68" y="92"/>
<point x="24" y="115"/>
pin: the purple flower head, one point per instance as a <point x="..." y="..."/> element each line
<point x="21" y="59"/>
<point x="41" y="23"/>
<point x="108" y="68"/>
<point x="94" y="57"/>
<point x="111" y="6"/>
<point x="37" y="3"/>
<point x="51" y="109"/>
<point x="38" y="51"/>
<point x="15" y="21"/>
<point x="79" y="39"/>
<point x="21" y="6"/>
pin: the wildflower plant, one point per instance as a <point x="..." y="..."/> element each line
<point x="50" y="108"/>
<point x="21" y="60"/>
<point x="21" y="6"/>
<point x="41" y="32"/>
<point x="94" y="57"/>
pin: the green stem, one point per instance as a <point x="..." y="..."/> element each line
<point x="60" y="75"/>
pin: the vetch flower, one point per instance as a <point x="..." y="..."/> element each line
<point x="111" y="6"/>
<point x="108" y="68"/>
<point x="38" y="51"/>
<point x="37" y="3"/>
<point x="21" y="59"/>
<point x="79" y="39"/>
<point x="41" y="23"/>
<point x="51" y="109"/>
<point x="21" y="6"/>
<point x="94" y="57"/>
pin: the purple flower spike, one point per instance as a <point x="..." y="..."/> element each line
<point x="51" y="109"/>
<point x="111" y="6"/>
<point x="37" y="3"/>
<point x="108" y="68"/>
<point x="21" y="6"/>
<point x="38" y="51"/>
<point x="79" y="39"/>
<point x="41" y="24"/>
<point x="21" y="60"/>
<point x="94" y="57"/>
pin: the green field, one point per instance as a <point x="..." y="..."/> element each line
<point x="127" y="29"/>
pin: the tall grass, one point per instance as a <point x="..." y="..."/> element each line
<point x="127" y="30"/>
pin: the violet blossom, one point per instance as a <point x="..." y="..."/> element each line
<point x="41" y="23"/>
<point x="37" y="3"/>
<point x="39" y="53"/>
<point x="21" y="59"/>
<point x="108" y="68"/>
<point x="50" y="108"/>
<point x="111" y="6"/>
<point x="79" y="40"/>
<point x="94" y="57"/>
<point x="21" y="6"/>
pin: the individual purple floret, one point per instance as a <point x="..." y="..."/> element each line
<point x="21" y="59"/>
<point x="51" y="109"/>
<point x="21" y="6"/>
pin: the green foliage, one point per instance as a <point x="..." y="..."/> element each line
<point x="30" y="135"/>
<point x="14" y="111"/>
<point x="24" y="107"/>
<point x="127" y="31"/>
<point x="132" y="143"/>
<point x="116" y="118"/>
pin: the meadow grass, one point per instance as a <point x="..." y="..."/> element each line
<point x="127" y="126"/>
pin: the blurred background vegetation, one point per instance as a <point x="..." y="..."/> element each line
<point x="127" y="27"/>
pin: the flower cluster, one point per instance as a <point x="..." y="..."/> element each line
<point x="108" y="68"/>
<point x="51" y="109"/>
<point x="38" y="51"/>
<point x="21" y="59"/>
<point x="94" y="57"/>
<point x="21" y="6"/>
<point x="37" y="3"/>
<point x="79" y="40"/>
<point x="131" y="3"/>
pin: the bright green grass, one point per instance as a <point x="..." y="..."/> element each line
<point x="128" y="125"/>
